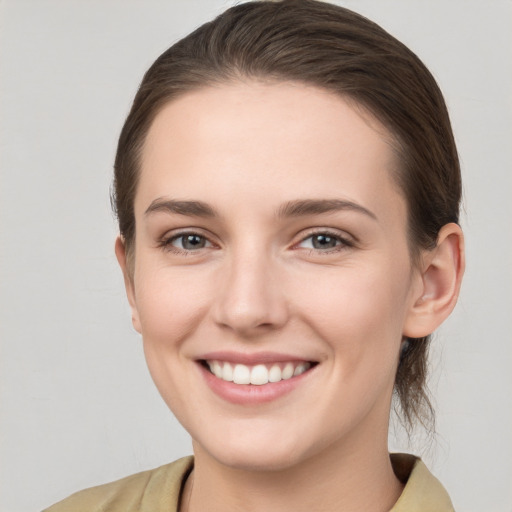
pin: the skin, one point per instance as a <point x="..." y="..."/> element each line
<point x="259" y="281"/>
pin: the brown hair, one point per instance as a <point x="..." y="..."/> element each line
<point x="331" y="47"/>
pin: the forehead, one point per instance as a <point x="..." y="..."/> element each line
<point x="276" y="140"/>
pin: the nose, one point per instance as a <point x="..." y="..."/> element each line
<point x="251" y="299"/>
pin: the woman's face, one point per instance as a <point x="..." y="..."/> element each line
<point x="271" y="247"/>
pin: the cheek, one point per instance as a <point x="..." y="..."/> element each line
<point x="361" y="313"/>
<point x="169" y="303"/>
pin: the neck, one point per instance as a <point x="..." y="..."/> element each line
<point x="348" y="477"/>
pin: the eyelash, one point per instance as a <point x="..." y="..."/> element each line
<point x="167" y="241"/>
<point x="342" y="243"/>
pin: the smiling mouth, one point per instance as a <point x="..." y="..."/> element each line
<point x="258" y="374"/>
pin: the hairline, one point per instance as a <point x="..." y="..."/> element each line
<point x="232" y="76"/>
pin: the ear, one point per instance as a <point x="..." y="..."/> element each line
<point x="440" y="277"/>
<point x="120" y="249"/>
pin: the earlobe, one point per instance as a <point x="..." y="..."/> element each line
<point x="441" y="277"/>
<point x="120" y="250"/>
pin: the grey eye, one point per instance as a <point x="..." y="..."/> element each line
<point x="324" y="241"/>
<point x="190" y="242"/>
<point x="320" y="241"/>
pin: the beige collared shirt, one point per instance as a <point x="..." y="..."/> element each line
<point x="158" y="490"/>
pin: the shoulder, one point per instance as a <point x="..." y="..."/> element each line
<point x="149" y="491"/>
<point x="422" y="492"/>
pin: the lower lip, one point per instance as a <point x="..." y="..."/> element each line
<point x="250" y="394"/>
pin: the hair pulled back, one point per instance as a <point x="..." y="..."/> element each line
<point x="333" y="48"/>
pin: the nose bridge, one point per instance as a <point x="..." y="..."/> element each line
<point x="250" y="298"/>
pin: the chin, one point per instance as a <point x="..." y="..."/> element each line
<point x="257" y="449"/>
<point x="263" y="460"/>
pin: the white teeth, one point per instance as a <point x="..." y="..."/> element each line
<point x="241" y="374"/>
<point x="301" y="368"/>
<point x="287" y="372"/>
<point x="216" y="369"/>
<point x="274" y="375"/>
<point x="227" y="372"/>
<point x="257" y="375"/>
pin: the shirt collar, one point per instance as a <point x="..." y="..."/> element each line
<point x="422" y="492"/>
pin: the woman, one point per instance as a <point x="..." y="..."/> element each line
<point x="287" y="187"/>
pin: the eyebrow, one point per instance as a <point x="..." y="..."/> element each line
<point x="297" y="208"/>
<point x="318" y="206"/>
<point x="189" y="208"/>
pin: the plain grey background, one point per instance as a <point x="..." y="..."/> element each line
<point x="78" y="407"/>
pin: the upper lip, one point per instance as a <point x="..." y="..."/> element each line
<point x="253" y="358"/>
